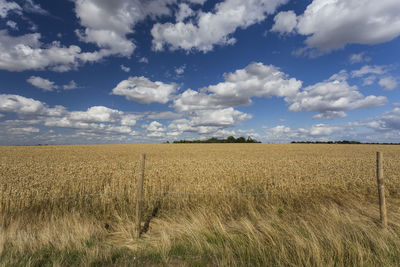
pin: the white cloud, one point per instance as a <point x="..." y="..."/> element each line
<point x="26" y="52"/>
<point x="330" y="115"/>
<point x="316" y="132"/>
<point x="369" y="80"/>
<point x="6" y="7"/>
<point x="155" y="126"/>
<point x="42" y="83"/>
<point x="332" y="97"/>
<point x="198" y="2"/>
<point x="143" y="60"/>
<point x="208" y="122"/>
<point x="12" y="24"/>
<point x="331" y="24"/>
<point x="358" y="58"/>
<point x="212" y="28"/>
<point x="142" y="90"/>
<point x="20" y="105"/>
<point x="285" y="22"/>
<point x="180" y="70"/>
<point x="388" y="122"/>
<point x="129" y="120"/>
<point x="184" y="12"/>
<point x="388" y="82"/>
<point x="47" y="85"/>
<point x="163" y="115"/>
<point x="367" y="69"/>
<point x="155" y="129"/>
<point x="97" y="119"/>
<point x="17" y="128"/>
<point x="125" y="68"/>
<point x="255" y="80"/>
<point x="227" y="117"/>
<point x="110" y="42"/>
<point x="71" y="85"/>
<point x="96" y="114"/>
<point x="30" y="6"/>
<point x="108" y="23"/>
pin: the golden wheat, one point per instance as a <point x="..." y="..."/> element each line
<point x="102" y="179"/>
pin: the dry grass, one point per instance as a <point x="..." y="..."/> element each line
<point x="241" y="204"/>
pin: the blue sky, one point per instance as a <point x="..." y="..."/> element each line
<point x="126" y="71"/>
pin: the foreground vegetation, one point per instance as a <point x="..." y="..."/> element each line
<point x="259" y="204"/>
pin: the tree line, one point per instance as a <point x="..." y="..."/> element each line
<point x="230" y="139"/>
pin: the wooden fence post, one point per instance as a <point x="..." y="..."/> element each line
<point x="139" y="197"/>
<point x="381" y="189"/>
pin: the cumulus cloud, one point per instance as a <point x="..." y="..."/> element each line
<point x="129" y="120"/>
<point x="108" y="23"/>
<point x="71" y="85"/>
<point x="367" y="69"/>
<point x="183" y="12"/>
<point x="331" y="24"/>
<point x="212" y="28"/>
<point x="96" y="119"/>
<point x="180" y="70"/>
<point x="6" y="7"/>
<point x="16" y="128"/>
<point x="206" y="122"/>
<point x="255" y="80"/>
<point x="227" y="117"/>
<point x="26" y="52"/>
<point x="31" y="7"/>
<point x="390" y="120"/>
<point x="20" y="105"/>
<point x="369" y="80"/>
<point x="358" y="58"/>
<point x="24" y="106"/>
<point x="12" y="24"/>
<point x="163" y="115"/>
<point x="285" y="22"/>
<point x="42" y="83"/>
<point x="125" y="68"/>
<point x="388" y="82"/>
<point x="142" y="90"/>
<point x="316" y="132"/>
<point x="332" y="97"/>
<point x="143" y="60"/>
<point x="155" y="129"/>
<point x="96" y="114"/>
<point x="155" y="126"/>
<point x="47" y="85"/>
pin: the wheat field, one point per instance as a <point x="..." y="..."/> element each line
<point x="92" y="189"/>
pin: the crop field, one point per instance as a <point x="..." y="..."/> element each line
<point x="196" y="197"/>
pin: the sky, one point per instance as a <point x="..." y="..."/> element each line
<point x="130" y="71"/>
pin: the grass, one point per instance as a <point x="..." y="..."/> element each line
<point x="341" y="231"/>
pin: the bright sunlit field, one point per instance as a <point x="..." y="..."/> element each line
<point x="227" y="204"/>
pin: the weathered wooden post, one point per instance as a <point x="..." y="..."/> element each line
<point x="381" y="189"/>
<point x="139" y="197"/>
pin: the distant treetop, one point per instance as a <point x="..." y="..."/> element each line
<point x="230" y="139"/>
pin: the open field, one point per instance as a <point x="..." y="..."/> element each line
<point x="226" y="204"/>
